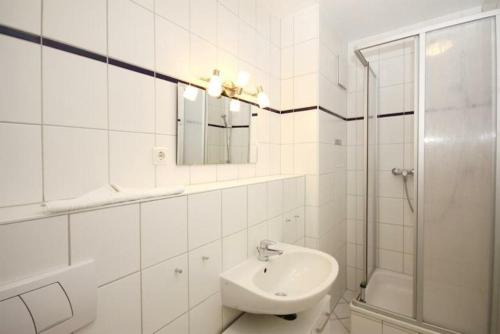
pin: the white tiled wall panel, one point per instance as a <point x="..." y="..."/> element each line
<point x="20" y="84"/>
<point x="75" y="22"/>
<point x="21" y="161"/>
<point x="147" y="277"/>
<point x="163" y="229"/>
<point x="75" y="161"/>
<point x="75" y="90"/>
<point x="111" y="237"/>
<point x="118" y="308"/>
<point x="24" y="253"/>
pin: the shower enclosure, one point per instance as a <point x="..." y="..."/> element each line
<point x="431" y="244"/>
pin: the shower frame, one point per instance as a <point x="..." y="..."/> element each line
<point x="419" y="126"/>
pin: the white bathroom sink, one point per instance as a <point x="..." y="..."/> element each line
<point x="289" y="283"/>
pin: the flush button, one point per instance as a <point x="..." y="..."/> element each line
<point x="48" y="305"/>
<point x="15" y="318"/>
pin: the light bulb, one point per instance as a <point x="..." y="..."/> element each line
<point x="215" y="84"/>
<point x="243" y="78"/>
<point x="190" y="93"/>
<point x="234" y="105"/>
<point x="262" y="98"/>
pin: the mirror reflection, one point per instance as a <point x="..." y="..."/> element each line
<point x="212" y="130"/>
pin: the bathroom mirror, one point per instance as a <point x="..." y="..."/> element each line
<point x="212" y="130"/>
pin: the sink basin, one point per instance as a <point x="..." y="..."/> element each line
<point x="289" y="283"/>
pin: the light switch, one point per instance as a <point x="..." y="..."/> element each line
<point x="15" y="318"/>
<point x="48" y="305"/>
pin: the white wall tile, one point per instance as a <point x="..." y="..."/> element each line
<point x="287" y="31"/>
<point x="391" y="260"/>
<point x="391" y="71"/>
<point x="227" y="39"/>
<point x="118" y="308"/>
<point x="203" y="19"/>
<point x="275" y="229"/>
<point x="131" y="159"/>
<point x="204" y="218"/>
<point x="203" y="174"/>
<point x="203" y="57"/>
<point x="275" y="33"/>
<point x="274" y="199"/>
<point x="172" y="49"/>
<point x="306" y="24"/>
<point x="175" y="11"/>
<point x="390" y="210"/>
<point x="391" y="99"/>
<point x="74" y="90"/>
<point x="305" y="90"/>
<point x="21" y="161"/>
<point x="170" y="173"/>
<point x="131" y="33"/>
<point x="234" y="249"/>
<point x="247" y="10"/>
<point x="390" y="237"/>
<point x="77" y="23"/>
<point x="390" y="156"/>
<point x="110" y="237"/>
<point x="205" y="265"/>
<point x="246" y="43"/>
<point x="178" y="326"/>
<point x="164" y="293"/>
<point x="287" y="62"/>
<point x="131" y="101"/>
<point x="306" y="126"/>
<point x="234" y="210"/>
<point x="163" y="229"/>
<point x="75" y="161"/>
<point x="24" y="253"/>
<point x="257" y="203"/>
<point x="25" y="15"/>
<point x="306" y="57"/>
<point x="206" y="318"/>
<point x="256" y="233"/>
<point x="20" y="83"/>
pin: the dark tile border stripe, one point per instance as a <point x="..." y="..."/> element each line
<point x="240" y="126"/>
<point x="27" y="36"/>
<point x="74" y="50"/>
<point x="131" y="67"/>
<point x="332" y="113"/>
<point x="228" y="127"/>
<point x="404" y="113"/>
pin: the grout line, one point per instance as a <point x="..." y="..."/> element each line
<point x="70" y="260"/>
<point x="107" y="94"/>
<point x="42" y="128"/>
<point x="140" y="267"/>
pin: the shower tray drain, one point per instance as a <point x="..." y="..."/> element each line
<point x="280" y="294"/>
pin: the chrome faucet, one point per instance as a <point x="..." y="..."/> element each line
<point x="265" y="252"/>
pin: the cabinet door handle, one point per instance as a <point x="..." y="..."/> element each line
<point x="178" y="271"/>
<point x="205" y="258"/>
<point x="297" y="216"/>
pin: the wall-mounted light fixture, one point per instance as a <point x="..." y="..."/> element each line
<point x="216" y="87"/>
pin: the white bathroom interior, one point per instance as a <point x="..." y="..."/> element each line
<point x="249" y="167"/>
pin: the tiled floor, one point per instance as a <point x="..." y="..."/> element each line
<point x="340" y="320"/>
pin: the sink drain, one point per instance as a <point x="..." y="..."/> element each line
<point x="280" y="294"/>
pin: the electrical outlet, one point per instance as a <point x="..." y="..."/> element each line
<point x="159" y="155"/>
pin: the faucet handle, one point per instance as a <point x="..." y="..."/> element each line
<point x="266" y="243"/>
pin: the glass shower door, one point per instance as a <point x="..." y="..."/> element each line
<point x="458" y="212"/>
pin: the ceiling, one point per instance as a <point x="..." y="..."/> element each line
<point x="354" y="19"/>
